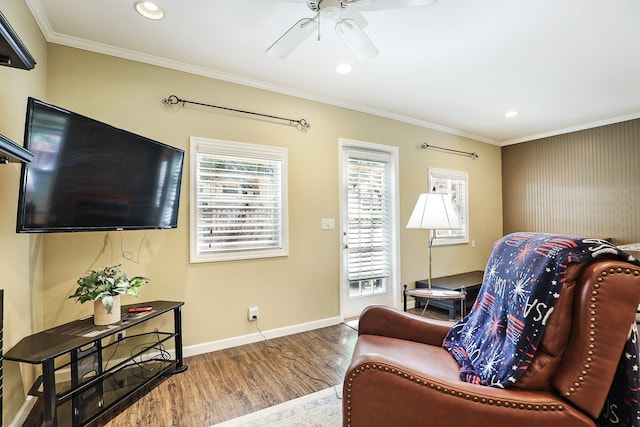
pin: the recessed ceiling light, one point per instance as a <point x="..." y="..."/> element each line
<point x="343" y="68"/>
<point x="511" y="114"/>
<point x="149" y="9"/>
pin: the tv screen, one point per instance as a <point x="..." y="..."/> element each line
<point x="89" y="176"/>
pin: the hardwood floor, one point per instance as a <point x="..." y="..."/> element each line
<point x="230" y="383"/>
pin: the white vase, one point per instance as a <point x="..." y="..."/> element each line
<point x="100" y="315"/>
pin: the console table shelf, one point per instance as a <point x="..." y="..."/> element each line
<point x="87" y="370"/>
<point x="468" y="282"/>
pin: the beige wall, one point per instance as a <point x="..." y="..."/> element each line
<point x="300" y="288"/>
<point x="20" y="255"/>
<point x="581" y="183"/>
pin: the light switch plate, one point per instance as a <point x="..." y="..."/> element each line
<point x="328" y="224"/>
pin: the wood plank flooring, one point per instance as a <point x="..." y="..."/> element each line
<point x="230" y="383"/>
<point x="233" y="382"/>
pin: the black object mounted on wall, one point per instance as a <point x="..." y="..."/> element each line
<point x="10" y="152"/>
<point x="88" y="175"/>
<point x="13" y="53"/>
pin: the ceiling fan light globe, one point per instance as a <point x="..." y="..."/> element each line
<point x="331" y="13"/>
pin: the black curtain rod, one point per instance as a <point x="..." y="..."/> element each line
<point x="301" y="124"/>
<point x="473" y="154"/>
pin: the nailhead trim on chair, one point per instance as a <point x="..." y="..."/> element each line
<point x="455" y="393"/>
<point x="593" y="307"/>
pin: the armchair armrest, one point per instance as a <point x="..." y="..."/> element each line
<point x="390" y="322"/>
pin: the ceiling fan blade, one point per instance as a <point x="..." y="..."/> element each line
<point x="356" y="40"/>
<point x="291" y="39"/>
<point x="356" y="15"/>
<point x="369" y="5"/>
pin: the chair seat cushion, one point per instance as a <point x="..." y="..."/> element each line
<point x="425" y="360"/>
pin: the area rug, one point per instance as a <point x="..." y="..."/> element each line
<point x="320" y="409"/>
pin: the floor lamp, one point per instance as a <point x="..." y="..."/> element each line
<point x="433" y="211"/>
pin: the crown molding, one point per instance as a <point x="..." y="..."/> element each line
<point x="576" y="128"/>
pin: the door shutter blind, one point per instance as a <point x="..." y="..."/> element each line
<point x="239" y="202"/>
<point x="368" y="240"/>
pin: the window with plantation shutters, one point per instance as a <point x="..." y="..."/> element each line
<point x="456" y="185"/>
<point x="367" y="234"/>
<point x="238" y="206"/>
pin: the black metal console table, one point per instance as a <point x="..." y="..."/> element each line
<point x="87" y="370"/>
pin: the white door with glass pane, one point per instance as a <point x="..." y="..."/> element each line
<point x="368" y="226"/>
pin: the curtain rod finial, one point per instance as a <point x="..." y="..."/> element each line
<point x="171" y="100"/>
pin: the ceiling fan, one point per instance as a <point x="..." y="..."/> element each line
<point x="345" y="14"/>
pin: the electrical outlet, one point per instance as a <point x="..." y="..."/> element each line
<point x="254" y="313"/>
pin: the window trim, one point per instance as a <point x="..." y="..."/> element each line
<point x="199" y="145"/>
<point x="459" y="175"/>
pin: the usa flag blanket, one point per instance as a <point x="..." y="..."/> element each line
<point x="495" y="343"/>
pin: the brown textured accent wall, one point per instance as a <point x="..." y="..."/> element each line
<point x="584" y="183"/>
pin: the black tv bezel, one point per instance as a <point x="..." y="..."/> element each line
<point x="20" y="228"/>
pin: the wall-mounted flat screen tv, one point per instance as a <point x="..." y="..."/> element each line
<point x="90" y="176"/>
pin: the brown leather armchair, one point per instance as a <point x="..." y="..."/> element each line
<point x="400" y="375"/>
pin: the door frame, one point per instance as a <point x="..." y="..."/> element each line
<point x="394" y="278"/>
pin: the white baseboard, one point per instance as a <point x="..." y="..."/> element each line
<point x="211" y="346"/>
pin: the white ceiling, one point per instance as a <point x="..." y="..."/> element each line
<point x="456" y="66"/>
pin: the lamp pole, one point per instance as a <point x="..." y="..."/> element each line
<point x="430" y="244"/>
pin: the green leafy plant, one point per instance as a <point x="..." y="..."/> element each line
<point x="105" y="284"/>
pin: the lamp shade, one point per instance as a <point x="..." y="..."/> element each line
<point x="434" y="211"/>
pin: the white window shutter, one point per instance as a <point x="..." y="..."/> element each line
<point x="239" y="200"/>
<point x="368" y="240"/>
